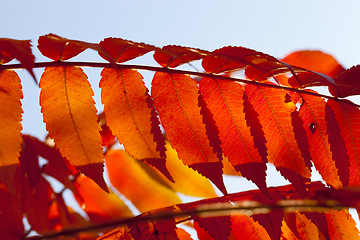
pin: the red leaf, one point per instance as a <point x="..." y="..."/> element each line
<point x="19" y="49"/>
<point x="59" y="48"/>
<point x="212" y="130"/>
<point x="312" y="111"/>
<point x="161" y="229"/>
<point x="283" y="148"/>
<point x="233" y="58"/>
<point x="349" y="116"/>
<point x="225" y="99"/>
<point x="29" y="161"/>
<point x="347" y="83"/>
<point x="176" y="99"/>
<point x="337" y="146"/>
<point x="38" y="206"/>
<point x="11" y="216"/>
<point x="217" y="227"/>
<point x="172" y="56"/>
<point x="122" y="50"/>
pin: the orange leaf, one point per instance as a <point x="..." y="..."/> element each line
<point x="315" y="61"/>
<point x="19" y="49"/>
<point x="225" y="100"/>
<point x="303" y="228"/>
<point x="70" y="116"/>
<point x="130" y="116"/>
<point x="312" y="112"/>
<point x="341" y="225"/>
<point x="182" y="234"/>
<point x="349" y="116"/>
<point x="283" y="149"/>
<point x="176" y="99"/>
<point x="10" y="131"/>
<point x="127" y="176"/>
<point x="99" y="205"/>
<point x="244" y="227"/>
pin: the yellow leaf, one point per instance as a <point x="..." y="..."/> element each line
<point x="10" y="130"/>
<point x="186" y="180"/>
<point x="127" y="176"/>
<point x="98" y="204"/>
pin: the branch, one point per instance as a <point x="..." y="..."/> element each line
<point x="204" y="210"/>
<point x="170" y="71"/>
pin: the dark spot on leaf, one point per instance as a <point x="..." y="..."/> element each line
<point x="312" y="127"/>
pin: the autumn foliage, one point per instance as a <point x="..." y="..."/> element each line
<point x="243" y="111"/>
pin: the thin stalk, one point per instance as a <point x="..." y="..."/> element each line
<point x="205" y="210"/>
<point x="170" y="71"/>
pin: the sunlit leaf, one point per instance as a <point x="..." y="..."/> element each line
<point x="349" y="117"/>
<point x="283" y="149"/>
<point x="312" y="112"/>
<point x="244" y="227"/>
<point x="184" y="177"/>
<point x="341" y="225"/>
<point x="129" y="115"/>
<point x="225" y="99"/>
<point x="315" y="61"/>
<point x="70" y="116"/>
<point x="176" y="99"/>
<point x="10" y="130"/>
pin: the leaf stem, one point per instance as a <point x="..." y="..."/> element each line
<point x="204" y="210"/>
<point x="170" y="71"/>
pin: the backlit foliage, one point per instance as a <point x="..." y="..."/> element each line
<point x="180" y="136"/>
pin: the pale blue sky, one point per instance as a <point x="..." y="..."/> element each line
<point x="274" y="27"/>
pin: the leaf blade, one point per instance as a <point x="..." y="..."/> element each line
<point x="283" y="149"/>
<point x="175" y="98"/>
<point x="225" y="98"/>
<point x="70" y="116"/>
<point x="10" y="130"/>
